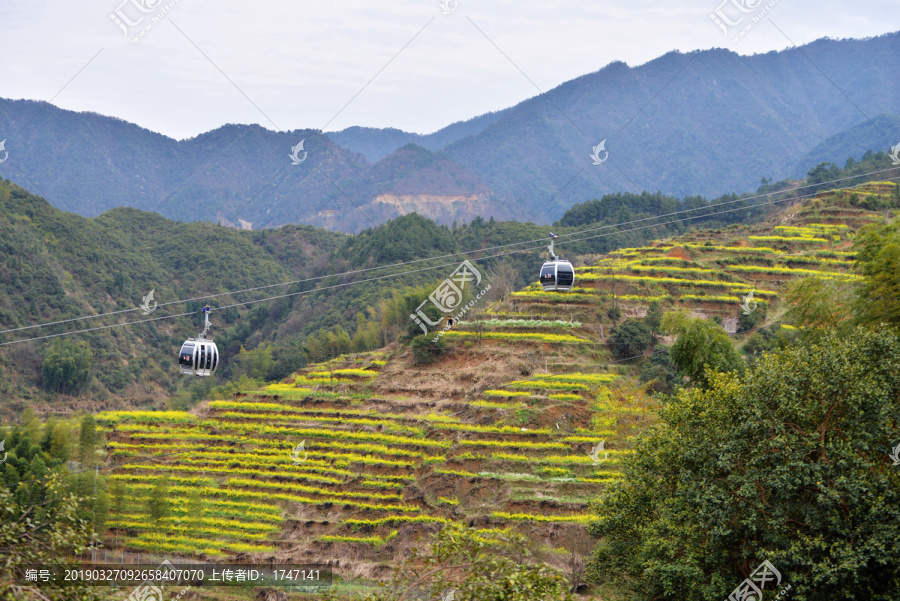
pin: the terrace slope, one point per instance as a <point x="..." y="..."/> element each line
<point x="354" y="460"/>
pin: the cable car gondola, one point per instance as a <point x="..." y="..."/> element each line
<point x="557" y="275"/>
<point x="199" y="356"/>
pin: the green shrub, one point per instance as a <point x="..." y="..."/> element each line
<point x="748" y="322"/>
<point x="660" y="371"/>
<point x="426" y="349"/>
<point x="702" y="347"/>
<point x="631" y="339"/>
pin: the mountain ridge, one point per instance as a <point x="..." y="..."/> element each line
<point x="678" y="123"/>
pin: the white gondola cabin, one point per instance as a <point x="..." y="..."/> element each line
<point x="557" y="275"/>
<point x="199" y="356"/>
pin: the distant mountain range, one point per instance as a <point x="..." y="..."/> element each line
<point x="707" y="123"/>
<point x="376" y="144"/>
<point x="880" y="133"/>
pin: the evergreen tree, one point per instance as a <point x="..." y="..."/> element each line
<point x="66" y="367"/>
<point x="87" y="440"/>
<point x="701" y="347"/>
<point x="158" y="506"/>
<point x="257" y="364"/>
<point x="654" y="315"/>
<point x="878" y="261"/>
<point x="631" y="339"/>
<point x="789" y="462"/>
<point x="60" y="443"/>
<point x="116" y="492"/>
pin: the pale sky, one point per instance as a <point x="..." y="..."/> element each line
<point x="299" y="62"/>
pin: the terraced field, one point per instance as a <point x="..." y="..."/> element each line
<point x="357" y="458"/>
<point x="711" y="271"/>
<point x="332" y="463"/>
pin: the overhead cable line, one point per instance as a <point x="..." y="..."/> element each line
<point x="467" y="252"/>
<point x="541" y="240"/>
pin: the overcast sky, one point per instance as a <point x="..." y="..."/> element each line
<point x="296" y="64"/>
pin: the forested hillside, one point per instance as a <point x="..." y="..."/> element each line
<point x="59" y="266"/>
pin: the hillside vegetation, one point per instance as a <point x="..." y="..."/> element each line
<point x="533" y="418"/>
<point x="60" y="266"/>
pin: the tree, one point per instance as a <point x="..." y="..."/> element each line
<point x="100" y="505"/>
<point x="578" y="544"/>
<point x="54" y="528"/>
<point x="816" y="304"/>
<point x="67" y="366"/>
<point x="157" y="504"/>
<point x="614" y="314"/>
<point x="878" y="261"/>
<point x="257" y="363"/>
<point x="788" y="463"/>
<point x="60" y="442"/>
<point x="427" y="350"/>
<point x="194" y="507"/>
<point x="366" y="336"/>
<point x="87" y="440"/>
<point x="413" y="329"/>
<point x="823" y="172"/>
<point x="701" y="347"/>
<point x="92" y="487"/>
<point x="326" y="344"/>
<point x="476" y="319"/>
<point x="769" y="339"/>
<point x="654" y="316"/>
<point x="660" y="372"/>
<point x="631" y="339"/>
<point x="37" y="467"/>
<point x="31" y="424"/>
<point x="504" y="278"/>
<point x="749" y="321"/>
<point x="116" y="490"/>
<point x="476" y="566"/>
<point x="290" y="358"/>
